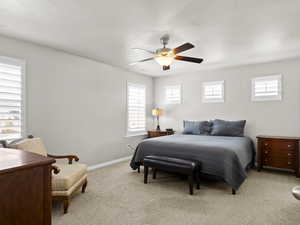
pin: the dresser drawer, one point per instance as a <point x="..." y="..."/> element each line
<point x="278" y="153"/>
<point x="285" y="145"/>
<point x="276" y="162"/>
<point x="279" y="146"/>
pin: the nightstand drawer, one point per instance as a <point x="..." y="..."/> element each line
<point x="159" y="133"/>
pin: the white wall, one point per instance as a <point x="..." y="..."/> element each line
<point x="78" y="106"/>
<point x="270" y="118"/>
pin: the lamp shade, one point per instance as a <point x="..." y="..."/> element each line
<point x="157" y="112"/>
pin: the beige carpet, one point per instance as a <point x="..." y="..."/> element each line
<point x="116" y="195"/>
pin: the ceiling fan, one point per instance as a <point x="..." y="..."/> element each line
<point x="165" y="56"/>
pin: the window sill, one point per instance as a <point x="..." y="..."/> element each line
<point x="136" y="135"/>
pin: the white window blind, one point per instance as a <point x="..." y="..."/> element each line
<point x="266" y="88"/>
<point x="213" y="91"/>
<point x="136" y="108"/>
<point x="173" y="94"/>
<point x="11" y="79"/>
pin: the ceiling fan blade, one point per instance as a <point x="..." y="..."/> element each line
<point x="183" y="48"/>
<point x="189" y="59"/>
<point x="166" y="67"/>
<point x="151" y="52"/>
<point x="143" y="60"/>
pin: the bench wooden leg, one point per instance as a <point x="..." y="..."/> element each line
<point x="139" y="169"/>
<point x="145" y="174"/>
<point x="191" y="184"/>
<point x="233" y="191"/>
<point x="154" y="173"/>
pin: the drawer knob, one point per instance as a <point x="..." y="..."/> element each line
<point x="266" y="144"/>
<point x="289" y="146"/>
<point x="266" y="152"/>
<point x="289" y="154"/>
<point x="289" y="163"/>
<point x="266" y="160"/>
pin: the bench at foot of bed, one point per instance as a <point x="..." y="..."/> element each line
<point x="233" y="191"/>
<point x="175" y="165"/>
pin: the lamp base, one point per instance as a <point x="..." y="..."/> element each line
<point x="158" y="128"/>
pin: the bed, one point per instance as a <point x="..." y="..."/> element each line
<point x="222" y="157"/>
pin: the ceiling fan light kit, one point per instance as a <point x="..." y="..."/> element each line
<point x="165" y="56"/>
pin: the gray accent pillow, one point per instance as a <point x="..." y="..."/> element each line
<point x="228" y="128"/>
<point x="196" y="127"/>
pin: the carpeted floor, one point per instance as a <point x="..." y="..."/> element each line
<point x="116" y="195"/>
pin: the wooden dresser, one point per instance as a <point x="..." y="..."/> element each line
<point x="25" y="188"/>
<point x="278" y="152"/>
<point x="158" y="133"/>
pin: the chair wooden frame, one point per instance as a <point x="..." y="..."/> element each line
<point x="66" y="199"/>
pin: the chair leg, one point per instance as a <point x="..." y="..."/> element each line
<point x="145" y="174"/>
<point x="154" y="173"/>
<point x="233" y="191"/>
<point x="139" y="169"/>
<point x="84" y="186"/>
<point x="66" y="205"/>
<point x="191" y="184"/>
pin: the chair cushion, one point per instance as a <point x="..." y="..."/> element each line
<point x="69" y="174"/>
<point x="34" y="145"/>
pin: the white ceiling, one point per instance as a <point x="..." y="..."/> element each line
<point x="225" y="32"/>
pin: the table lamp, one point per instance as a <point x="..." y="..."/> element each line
<point x="157" y="112"/>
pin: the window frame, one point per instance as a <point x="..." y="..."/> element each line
<point x="278" y="97"/>
<point x="22" y="64"/>
<point x="137" y="133"/>
<point x="180" y="94"/>
<point x="207" y="83"/>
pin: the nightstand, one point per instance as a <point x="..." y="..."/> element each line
<point x="278" y="152"/>
<point x="158" y="133"/>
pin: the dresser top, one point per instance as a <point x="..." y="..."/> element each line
<point x="13" y="159"/>
<point x="278" y="137"/>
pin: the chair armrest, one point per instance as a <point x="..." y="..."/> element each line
<point x="55" y="169"/>
<point x="69" y="157"/>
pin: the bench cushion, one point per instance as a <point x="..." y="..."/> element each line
<point x="171" y="164"/>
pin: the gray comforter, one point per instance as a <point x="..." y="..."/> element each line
<point x="226" y="158"/>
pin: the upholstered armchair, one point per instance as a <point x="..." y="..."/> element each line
<point x="66" y="178"/>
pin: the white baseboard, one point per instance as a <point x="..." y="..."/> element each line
<point x="100" y="165"/>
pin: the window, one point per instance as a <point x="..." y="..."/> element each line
<point x="11" y="98"/>
<point x="173" y="94"/>
<point x="266" y="88"/>
<point x="136" y="109"/>
<point x="213" y="91"/>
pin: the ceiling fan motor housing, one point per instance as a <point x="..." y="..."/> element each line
<point x="163" y="51"/>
